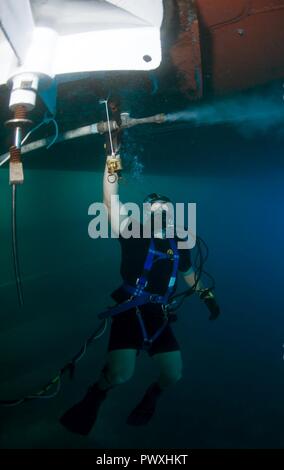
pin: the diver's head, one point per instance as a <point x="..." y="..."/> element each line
<point x="160" y="215"/>
<point x="155" y="198"/>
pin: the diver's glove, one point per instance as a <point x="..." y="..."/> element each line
<point x="209" y="299"/>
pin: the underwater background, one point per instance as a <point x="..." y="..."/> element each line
<point x="231" y="394"/>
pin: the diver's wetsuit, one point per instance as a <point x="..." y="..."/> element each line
<point x="126" y="331"/>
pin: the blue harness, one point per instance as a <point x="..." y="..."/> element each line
<point x="139" y="296"/>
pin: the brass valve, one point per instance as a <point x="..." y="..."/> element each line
<point x="114" y="166"/>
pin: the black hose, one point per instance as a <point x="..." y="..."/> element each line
<point x="177" y="300"/>
<point x="15" y="246"/>
<point x="68" y="367"/>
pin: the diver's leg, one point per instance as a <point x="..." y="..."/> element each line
<point x="170" y="368"/>
<point x="119" y="368"/>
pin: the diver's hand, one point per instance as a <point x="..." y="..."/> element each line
<point x="209" y="299"/>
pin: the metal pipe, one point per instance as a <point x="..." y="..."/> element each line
<point x="18" y="137"/>
<point x="96" y="128"/>
<point x="15" y="247"/>
<point x="127" y="121"/>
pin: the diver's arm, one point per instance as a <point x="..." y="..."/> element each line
<point x="207" y="295"/>
<point x="115" y="209"/>
<point x="190" y="279"/>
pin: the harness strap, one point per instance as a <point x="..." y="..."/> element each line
<point x="141" y="282"/>
<point x="146" y="340"/>
<point x="155" y="298"/>
<point x="141" y="297"/>
<point x="123" y="307"/>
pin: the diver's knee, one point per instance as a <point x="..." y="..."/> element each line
<point x="171" y="378"/>
<point x="178" y="377"/>
<point x="119" y="376"/>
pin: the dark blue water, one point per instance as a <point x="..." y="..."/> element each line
<point x="231" y="395"/>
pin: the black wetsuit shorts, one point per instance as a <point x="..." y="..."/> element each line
<point x="126" y="332"/>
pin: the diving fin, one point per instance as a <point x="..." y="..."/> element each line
<point x="144" y="411"/>
<point x="82" y="416"/>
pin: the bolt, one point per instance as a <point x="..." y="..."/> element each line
<point x="147" y="58"/>
<point x="241" y="31"/>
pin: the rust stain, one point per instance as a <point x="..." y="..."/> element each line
<point x="231" y="45"/>
<point x="186" y="54"/>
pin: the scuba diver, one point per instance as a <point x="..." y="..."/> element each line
<point x="141" y="319"/>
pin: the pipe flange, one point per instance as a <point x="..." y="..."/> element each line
<point x="12" y="123"/>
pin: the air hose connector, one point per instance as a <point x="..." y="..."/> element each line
<point x="102" y="127"/>
<point x="127" y="121"/>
